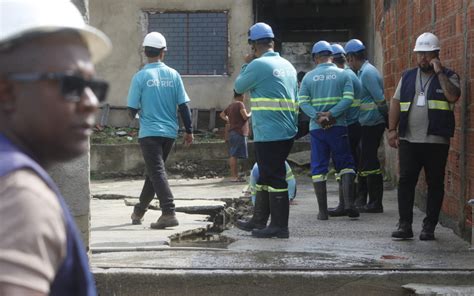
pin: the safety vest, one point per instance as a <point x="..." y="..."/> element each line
<point x="73" y="276"/>
<point x="440" y="111"/>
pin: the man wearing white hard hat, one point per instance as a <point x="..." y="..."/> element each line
<point x="48" y="99"/>
<point x="421" y="123"/>
<point x="156" y="91"/>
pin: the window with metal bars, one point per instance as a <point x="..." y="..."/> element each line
<point x="197" y="41"/>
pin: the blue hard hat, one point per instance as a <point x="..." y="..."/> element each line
<point x="337" y="49"/>
<point x="260" y="31"/>
<point x="354" y="45"/>
<point x="321" y="46"/>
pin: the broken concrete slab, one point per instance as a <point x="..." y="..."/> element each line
<point x="300" y="158"/>
<point x="204" y="207"/>
<point x="112" y="228"/>
<point x="205" y="189"/>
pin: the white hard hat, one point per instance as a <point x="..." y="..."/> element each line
<point x="427" y="42"/>
<point x="21" y="17"/>
<point x="155" y="39"/>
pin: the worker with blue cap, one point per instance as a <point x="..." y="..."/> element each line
<point x="272" y="83"/>
<point x="352" y="119"/>
<point x="326" y="94"/>
<point x="373" y="118"/>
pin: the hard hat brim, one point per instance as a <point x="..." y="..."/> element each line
<point x="98" y="43"/>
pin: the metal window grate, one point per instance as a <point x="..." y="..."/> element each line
<point x="197" y="41"/>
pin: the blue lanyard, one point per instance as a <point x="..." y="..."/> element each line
<point x="422" y="87"/>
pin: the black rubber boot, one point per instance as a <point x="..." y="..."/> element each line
<point x="375" y="186"/>
<point x="347" y="184"/>
<point x="280" y="210"/>
<point x="361" y="193"/>
<point x="322" y="196"/>
<point x="404" y="231"/>
<point x="338" y="211"/>
<point x="261" y="212"/>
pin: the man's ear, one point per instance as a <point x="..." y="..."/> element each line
<point x="6" y="96"/>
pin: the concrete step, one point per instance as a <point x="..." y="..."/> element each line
<point x="208" y="282"/>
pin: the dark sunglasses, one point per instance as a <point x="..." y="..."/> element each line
<point x="72" y="86"/>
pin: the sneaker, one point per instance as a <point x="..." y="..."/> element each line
<point x="136" y="218"/>
<point x="165" y="220"/>
<point x="403" y="232"/>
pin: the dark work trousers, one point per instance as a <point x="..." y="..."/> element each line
<point x="271" y="158"/>
<point x="370" y="141"/>
<point x="354" y="131"/>
<point x="155" y="151"/>
<point x="413" y="157"/>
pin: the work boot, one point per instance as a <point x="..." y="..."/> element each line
<point x="375" y="186"/>
<point x="347" y="184"/>
<point x="338" y="211"/>
<point x="261" y="212"/>
<point x="322" y="196"/>
<point x="427" y="232"/>
<point x="137" y="215"/>
<point x="361" y="193"/>
<point x="280" y="210"/>
<point x="404" y="231"/>
<point x="165" y="220"/>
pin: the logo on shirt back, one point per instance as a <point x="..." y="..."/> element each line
<point x="283" y="73"/>
<point x="331" y="76"/>
<point x="159" y="83"/>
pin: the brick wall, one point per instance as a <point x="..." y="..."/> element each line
<point x="399" y="24"/>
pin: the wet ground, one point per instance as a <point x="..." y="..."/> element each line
<point x="336" y="244"/>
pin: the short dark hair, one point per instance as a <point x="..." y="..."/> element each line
<point x="236" y="94"/>
<point x="359" y="55"/>
<point x="339" y="59"/>
<point x="152" y="52"/>
<point x="324" y="53"/>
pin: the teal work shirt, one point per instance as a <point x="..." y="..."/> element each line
<point x="273" y="88"/>
<point x="156" y="91"/>
<point x="326" y="88"/>
<point x="353" y="113"/>
<point x="372" y="93"/>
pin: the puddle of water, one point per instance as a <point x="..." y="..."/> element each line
<point x="207" y="240"/>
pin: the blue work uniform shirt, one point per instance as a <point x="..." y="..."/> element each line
<point x="273" y="88"/>
<point x="326" y="88"/>
<point x="372" y="93"/>
<point x="353" y="113"/>
<point x="156" y="91"/>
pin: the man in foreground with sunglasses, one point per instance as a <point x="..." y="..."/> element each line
<point x="48" y="101"/>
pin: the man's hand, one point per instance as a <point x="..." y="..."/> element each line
<point x="393" y="139"/>
<point x="437" y="66"/>
<point x="325" y="120"/>
<point x="188" y="139"/>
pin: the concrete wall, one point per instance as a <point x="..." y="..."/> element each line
<point x="399" y="23"/>
<point x="126" y="159"/>
<point x="299" y="54"/>
<point x="73" y="180"/>
<point x="123" y="21"/>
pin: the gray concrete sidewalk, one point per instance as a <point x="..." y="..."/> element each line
<point x="341" y="249"/>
